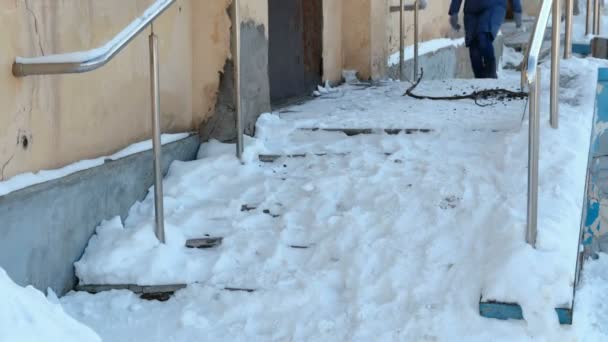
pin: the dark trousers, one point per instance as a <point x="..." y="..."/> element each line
<point x="481" y="51"/>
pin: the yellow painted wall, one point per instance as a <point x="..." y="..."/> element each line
<point x="332" y="39"/>
<point x="356" y="39"/>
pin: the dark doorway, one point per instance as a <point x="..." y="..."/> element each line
<point x="295" y="57"/>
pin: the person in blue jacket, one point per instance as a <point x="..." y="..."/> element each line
<point x="482" y="20"/>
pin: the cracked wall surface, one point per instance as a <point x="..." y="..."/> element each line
<point x="67" y="118"/>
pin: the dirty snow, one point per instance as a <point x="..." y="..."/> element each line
<point x="27" y="316"/>
<point x="24" y="180"/>
<point x="402" y="233"/>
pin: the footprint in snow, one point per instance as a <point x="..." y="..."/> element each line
<point x="450" y="202"/>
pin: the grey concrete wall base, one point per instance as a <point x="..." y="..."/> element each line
<point x="447" y="62"/>
<point x="255" y="87"/>
<point x="45" y="228"/>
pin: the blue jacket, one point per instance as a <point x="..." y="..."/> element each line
<point x="478" y="6"/>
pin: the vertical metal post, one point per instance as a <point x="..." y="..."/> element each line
<point x="237" y="81"/>
<point x="588" y="18"/>
<point x="416" y="5"/>
<point x="568" y="33"/>
<point x="533" y="148"/>
<point x="401" y="47"/>
<point x="597" y="15"/>
<point x="156" y="143"/>
<point x="555" y="51"/>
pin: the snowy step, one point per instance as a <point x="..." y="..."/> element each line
<point x="155" y="292"/>
<point x="271" y="158"/>
<point x="508" y="311"/>
<point x="382" y="107"/>
<point x="149" y="292"/>
<point x="207" y="242"/>
<point x="250" y="207"/>
<point x="357" y="131"/>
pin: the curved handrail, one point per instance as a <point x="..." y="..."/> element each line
<point x="530" y="67"/>
<point x="84" y="61"/>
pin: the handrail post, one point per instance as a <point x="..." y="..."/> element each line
<point x="533" y="155"/>
<point x="588" y="18"/>
<point x="401" y="47"/>
<point x="237" y="81"/>
<point x="568" y="33"/>
<point x="596" y="17"/>
<point x="156" y="142"/>
<point x="416" y="38"/>
<point x="555" y="50"/>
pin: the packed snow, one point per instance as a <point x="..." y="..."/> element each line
<point x="370" y="237"/>
<point x="27" y="316"/>
<point x="24" y="180"/>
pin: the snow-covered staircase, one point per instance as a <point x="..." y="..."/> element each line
<point x="362" y="191"/>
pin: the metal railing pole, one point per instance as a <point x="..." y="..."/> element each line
<point x="533" y="155"/>
<point x="401" y="47"/>
<point x="156" y="142"/>
<point x="596" y="17"/>
<point x="416" y="38"/>
<point x="237" y="81"/>
<point x="568" y="33"/>
<point x="588" y="18"/>
<point x="555" y="51"/>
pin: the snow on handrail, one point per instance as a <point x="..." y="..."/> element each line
<point x="84" y="61"/>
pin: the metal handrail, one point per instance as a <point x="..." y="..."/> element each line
<point x="415" y="7"/>
<point x="531" y="78"/>
<point x="84" y="61"/>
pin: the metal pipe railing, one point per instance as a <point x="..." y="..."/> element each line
<point x="84" y="61"/>
<point x="401" y="34"/>
<point x="159" y="228"/>
<point x="588" y="17"/>
<point x="416" y="37"/>
<point x="555" y="52"/>
<point x="596" y="17"/>
<point x="240" y="139"/>
<point x="415" y="7"/>
<point x="568" y="33"/>
<point x="531" y="76"/>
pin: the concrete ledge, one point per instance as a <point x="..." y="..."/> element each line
<point x="45" y="228"/>
<point x="444" y="63"/>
